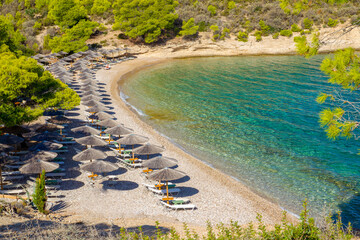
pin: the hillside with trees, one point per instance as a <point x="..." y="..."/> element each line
<point x="67" y="24"/>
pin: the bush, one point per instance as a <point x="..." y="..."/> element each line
<point x="307" y="23"/>
<point x="286" y="33"/>
<point x="332" y="22"/>
<point x="37" y="26"/>
<point x="243" y="36"/>
<point x="212" y="10"/>
<point x="258" y="35"/>
<point x="295" y="28"/>
<point x="39" y="196"/>
<point x="276" y="35"/>
<point x="203" y="26"/>
<point x="231" y="5"/>
<point x="189" y="28"/>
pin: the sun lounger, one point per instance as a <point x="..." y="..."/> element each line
<point x="13" y="166"/>
<point x="48" y="187"/>
<point x="11" y="173"/>
<point x="12" y="192"/>
<point x="59" y="174"/>
<point x="12" y="186"/>
<point x="129" y="163"/>
<point x="61" y="150"/>
<point x="170" y="185"/>
<point x="178" y="206"/>
<point x="11" y="178"/>
<point x="65" y="142"/>
<point x="163" y="191"/>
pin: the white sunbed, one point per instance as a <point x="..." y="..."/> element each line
<point x="133" y="165"/>
<point x="12" y="192"/>
<point x="11" y="173"/>
<point x="16" y="177"/>
<point x="153" y="185"/>
<point x="13" y="166"/>
<point x="178" y="206"/>
<point x="163" y="191"/>
<point x="60" y="174"/>
<point x="13" y="186"/>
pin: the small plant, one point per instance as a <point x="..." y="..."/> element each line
<point x="189" y="28"/>
<point x="276" y="35"/>
<point x="295" y="28"/>
<point x="39" y="196"/>
<point x="286" y="33"/>
<point x="258" y="35"/>
<point x="212" y="10"/>
<point x="216" y="32"/>
<point x="307" y="23"/>
<point x="265" y="29"/>
<point x="231" y="5"/>
<point x="243" y="36"/>
<point x="332" y="22"/>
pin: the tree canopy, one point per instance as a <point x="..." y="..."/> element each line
<point x="67" y="13"/>
<point x="189" y="28"/>
<point x="26" y="90"/>
<point x="74" y="39"/>
<point x="9" y="36"/>
<point x="144" y="18"/>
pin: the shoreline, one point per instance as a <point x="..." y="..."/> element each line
<point x="262" y="204"/>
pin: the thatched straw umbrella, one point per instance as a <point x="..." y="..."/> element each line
<point x="48" y="128"/>
<point x="92" y="103"/>
<point x="103" y="115"/>
<point x="160" y="162"/>
<point x="91" y="97"/>
<point x="36" y="167"/>
<point x="40" y="155"/>
<point x="86" y="129"/>
<point x="99" y="166"/>
<point x="166" y="174"/>
<point x="45" y="136"/>
<point x="89" y="154"/>
<point x="132" y="139"/>
<point x="148" y="149"/>
<point x="14" y="130"/>
<point x="118" y="130"/>
<point x="10" y="139"/>
<point x="91" y="140"/>
<point x="97" y="109"/>
<point x="108" y="123"/>
<point x="59" y="120"/>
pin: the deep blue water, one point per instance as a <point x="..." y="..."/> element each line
<point x="256" y="119"/>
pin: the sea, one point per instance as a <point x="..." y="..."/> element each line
<point x="256" y="119"/>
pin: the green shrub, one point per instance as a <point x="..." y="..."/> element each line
<point x="307" y="23"/>
<point x="216" y="32"/>
<point x="203" y="26"/>
<point x="231" y="5"/>
<point x="332" y="22"/>
<point x="37" y="26"/>
<point x="212" y="10"/>
<point x="39" y="196"/>
<point x="258" y="35"/>
<point x="243" y="36"/>
<point x="276" y="35"/>
<point x="295" y="28"/>
<point x="189" y="28"/>
<point x="286" y="33"/>
<point x="265" y="29"/>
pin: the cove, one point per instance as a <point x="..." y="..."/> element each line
<point x="255" y="118"/>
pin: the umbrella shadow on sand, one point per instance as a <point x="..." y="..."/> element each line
<point x="119" y="185"/>
<point x="188" y="191"/>
<point x="181" y="180"/>
<point x="58" y="206"/>
<point x="71" y="185"/>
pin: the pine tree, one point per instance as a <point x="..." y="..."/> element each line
<point x="39" y="196"/>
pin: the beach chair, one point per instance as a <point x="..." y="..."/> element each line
<point x="170" y="185"/>
<point x="178" y="206"/>
<point x="12" y="178"/>
<point x="65" y="142"/>
<point x="13" y="192"/>
<point x="12" y="186"/>
<point x="163" y="191"/>
<point x="11" y="173"/>
<point x="130" y="163"/>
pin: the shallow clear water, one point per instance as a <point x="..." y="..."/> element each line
<point x="256" y="119"/>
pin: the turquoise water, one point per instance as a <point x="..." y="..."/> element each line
<point x="256" y="119"/>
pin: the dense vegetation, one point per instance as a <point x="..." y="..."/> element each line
<point x="151" y="21"/>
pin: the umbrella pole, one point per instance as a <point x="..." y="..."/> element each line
<point x="60" y="131"/>
<point x="132" y="151"/>
<point x="159" y="184"/>
<point x="109" y="138"/>
<point x="167" y="192"/>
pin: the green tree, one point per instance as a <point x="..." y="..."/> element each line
<point x="100" y="7"/>
<point x="332" y="22"/>
<point x="73" y="39"/>
<point x="343" y="69"/>
<point x="216" y="32"/>
<point x="307" y="23"/>
<point x="305" y="48"/>
<point x="231" y="5"/>
<point x="26" y="90"/>
<point x="189" y="28"/>
<point x="39" y="196"/>
<point x="66" y="13"/>
<point x="9" y="36"/>
<point x="295" y="28"/>
<point x="243" y="36"/>
<point x="212" y="10"/>
<point x="147" y="19"/>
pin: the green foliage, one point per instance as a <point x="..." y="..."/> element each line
<point x="243" y="36"/>
<point x="37" y="26"/>
<point x="9" y="36"/>
<point x="26" y="90"/>
<point x="265" y="29"/>
<point x="343" y="69"/>
<point x="293" y="6"/>
<point x="276" y="35"/>
<point x="39" y="196"/>
<point x="308" y="23"/>
<point x="189" y="28"/>
<point x="332" y="22"/>
<point x="295" y="28"/>
<point x="258" y="35"/>
<point x="212" y="10"/>
<point x="305" y="48"/>
<point x="66" y="13"/>
<point x="286" y="33"/>
<point x="231" y="5"/>
<point x="146" y="19"/>
<point x="100" y="7"/>
<point x="74" y="39"/>
<point x="216" y="32"/>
